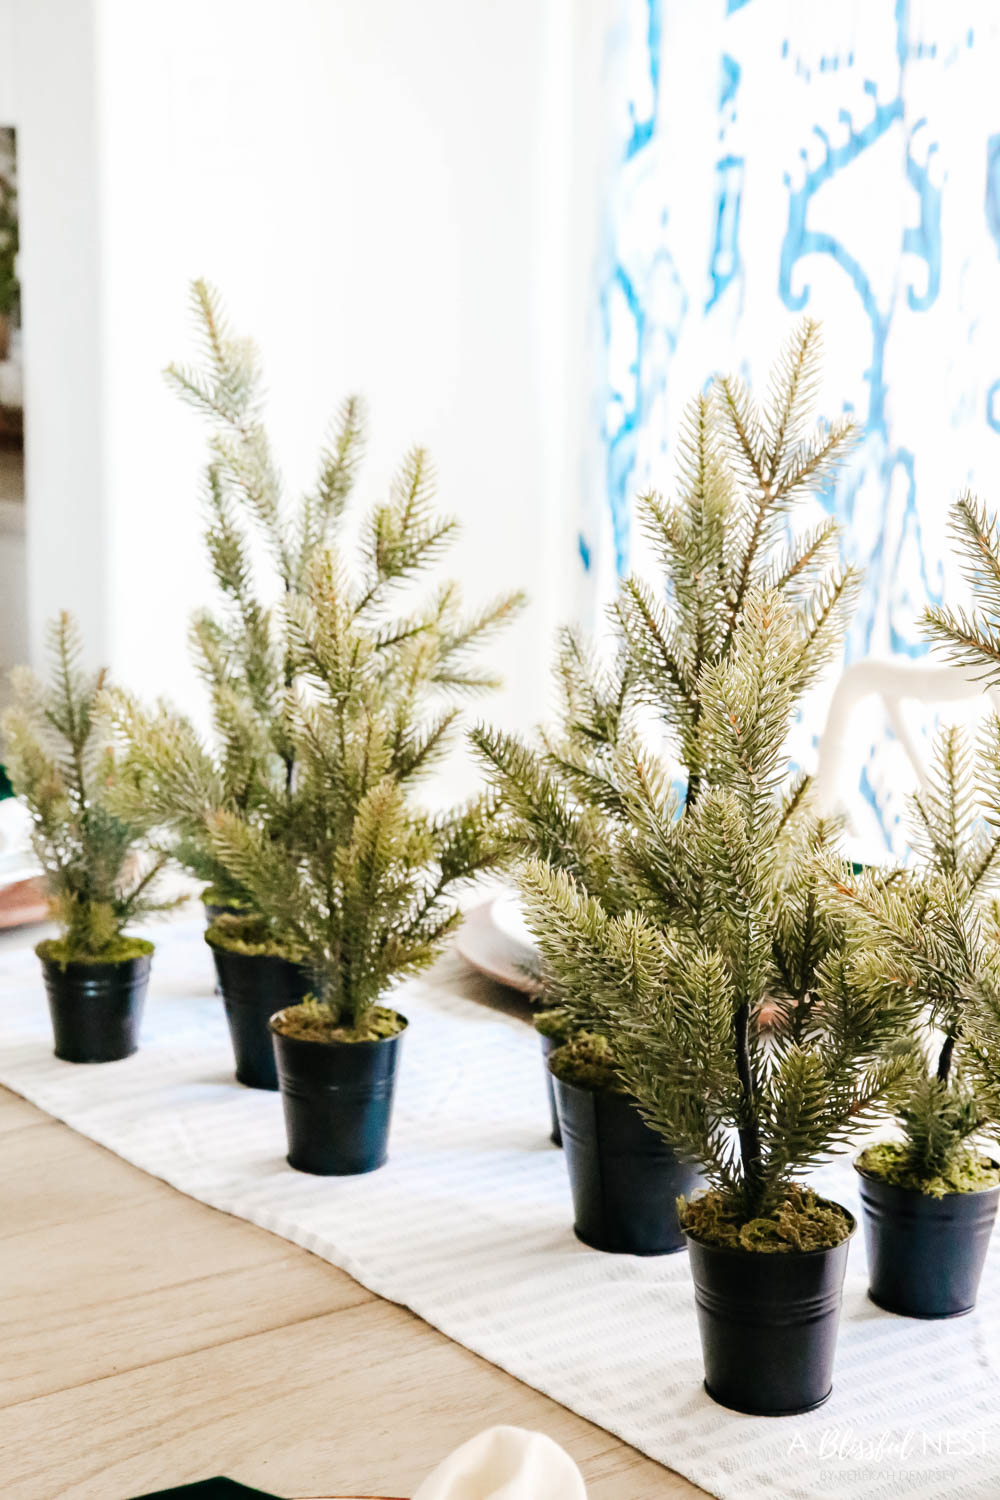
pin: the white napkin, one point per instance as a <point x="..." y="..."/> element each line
<point x="16" y="859"/>
<point x="505" y="1463"/>
<point x="15" y="825"/>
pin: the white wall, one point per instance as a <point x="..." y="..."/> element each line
<point x="48" y="86"/>
<point x="380" y="189"/>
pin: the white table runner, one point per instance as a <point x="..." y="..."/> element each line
<point x="469" y="1225"/>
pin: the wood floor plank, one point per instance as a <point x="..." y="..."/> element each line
<point x="133" y="1286"/>
<point x="362" y="1401"/>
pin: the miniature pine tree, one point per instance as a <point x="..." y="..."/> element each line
<point x="954" y="947"/>
<point x="332" y="703"/>
<point x="930" y="932"/>
<point x="242" y="648"/>
<point x="696" y="931"/>
<point x="62" y="765"/>
<point x="927" y="933"/>
<point x="720" y="545"/>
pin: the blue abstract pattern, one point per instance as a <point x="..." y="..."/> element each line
<point x="773" y="158"/>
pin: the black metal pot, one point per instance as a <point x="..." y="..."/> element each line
<point x="768" y="1325"/>
<point x="96" y="1009"/>
<point x="337" y="1098"/>
<point x="624" y="1177"/>
<point x="254" y="986"/>
<point x="925" y="1255"/>
<point x="549" y="1045"/>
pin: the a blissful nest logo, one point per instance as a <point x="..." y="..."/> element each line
<point x="843" y="1453"/>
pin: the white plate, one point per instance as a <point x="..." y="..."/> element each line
<point x="507" y="916"/>
<point x="502" y="959"/>
<point x="18" y="865"/>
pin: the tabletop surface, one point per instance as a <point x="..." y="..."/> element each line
<point x="147" y="1341"/>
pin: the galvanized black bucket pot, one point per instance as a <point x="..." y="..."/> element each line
<point x="96" y="1009"/>
<point x="768" y="1325"/>
<point x="549" y="1045"/>
<point x="925" y="1255"/>
<point x="624" y="1177"/>
<point x="213" y="910"/>
<point x="337" y="1098"/>
<point x="253" y="987"/>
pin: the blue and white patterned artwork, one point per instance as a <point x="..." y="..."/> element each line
<point x="780" y="157"/>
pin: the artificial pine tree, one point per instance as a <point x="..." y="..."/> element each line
<point x="99" y="881"/>
<point x="962" y="854"/>
<point x="695" y="931"/>
<point x="931" y="933"/>
<point x="723" y="544"/>
<point x="332" y="700"/>
<point x="63" y="767"/>
<point x="260" y="544"/>
<point x="361" y="879"/>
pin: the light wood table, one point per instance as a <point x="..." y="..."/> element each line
<point x="147" y="1341"/>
